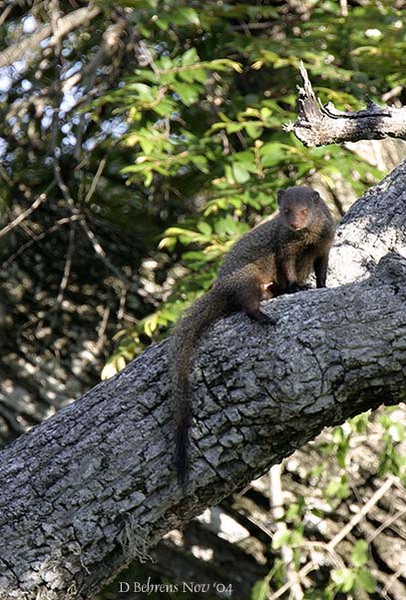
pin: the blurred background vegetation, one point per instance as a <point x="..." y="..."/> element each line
<point x="139" y="139"/>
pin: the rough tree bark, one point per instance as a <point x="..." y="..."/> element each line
<point x="318" y="125"/>
<point x="94" y="486"/>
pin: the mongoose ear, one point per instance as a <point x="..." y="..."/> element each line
<point x="316" y="197"/>
<point x="280" y="196"/>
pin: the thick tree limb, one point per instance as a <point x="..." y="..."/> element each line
<point x="94" y="486"/>
<point x="318" y="125"/>
<point x="374" y="226"/>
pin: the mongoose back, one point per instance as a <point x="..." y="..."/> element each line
<point x="274" y="258"/>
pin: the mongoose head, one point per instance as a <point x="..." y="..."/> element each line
<point x="297" y="207"/>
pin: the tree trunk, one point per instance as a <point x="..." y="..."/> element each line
<point x="94" y="486"/>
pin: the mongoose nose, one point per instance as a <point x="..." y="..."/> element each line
<point x="295" y="225"/>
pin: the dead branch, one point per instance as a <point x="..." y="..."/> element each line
<point x="31" y="43"/>
<point x="318" y="125"/>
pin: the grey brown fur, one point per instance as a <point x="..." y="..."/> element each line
<point x="274" y="258"/>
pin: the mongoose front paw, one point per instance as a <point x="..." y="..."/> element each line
<point x="261" y="317"/>
<point x="295" y="287"/>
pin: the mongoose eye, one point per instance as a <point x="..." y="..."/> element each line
<point x="287" y="211"/>
<point x="305" y="211"/>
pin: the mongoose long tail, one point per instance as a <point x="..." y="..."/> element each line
<point x="186" y="336"/>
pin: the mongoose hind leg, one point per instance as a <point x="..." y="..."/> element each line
<point x="248" y="298"/>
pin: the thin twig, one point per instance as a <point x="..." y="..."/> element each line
<point x="277" y="512"/>
<point x="68" y="264"/>
<point x="341" y="535"/>
<point x="101" y="253"/>
<point x="41" y="198"/>
<point x="72" y="205"/>
<point x="63" y="187"/>
<point x="102" y="330"/>
<point x="121" y="308"/>
<point x="387" y="523"/>
<point x="38" y="238"/>
<point x="392" y="579"/>
<point x="336" y="558"/>
<point x="361" y="514"/>
<point x="5" y="14"/>
<point x="96" y="178"/>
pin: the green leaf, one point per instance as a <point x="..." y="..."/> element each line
<point x="185" y="16"/>
<point x="367" y="581"/>
<point x="228" y="171"/>
<point x="359" y="555"/>
<point x="164" y="108"/>
<point x="147" y="145"/>
<point x="338" y="435"/>
<point x="204" y="228"/>
<point x="342" y="455"/>
<point x="190" y="57"/>
<point x="165" y="62"/>
<point x="296" y="536"/>
<point x="280" y="539"/>
<point x="191" y="16"/>
<point x="234" y="127"/>
<point x="189" y="94"/>
<point x="254" y="131"/>
<point x="260" y="590"/>
<point x="151" y="324"/>
<point x="338" y="488"/>
<point x="241" y="175"/>
<point x="193" y="75"/>
<point x="224" y="64"/>
<point x="273" y="153"/>
<point x="201" y="163"/>
<point x="145" y="92"/>
<point x="295" y="510"/>
<point x="397" y="432"/>
<point x="167" y="242"/>
<point x="344" y="579"/>
<point x="163" y="23"/>
<point x="148" y="178"/>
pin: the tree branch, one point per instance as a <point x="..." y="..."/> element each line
<point x="31" y="43"/>
<point x="94" y="486"/>
<point x="22" y="216"/>
<point x="318" y="125"/>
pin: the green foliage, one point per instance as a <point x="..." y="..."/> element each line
<point x="351" y="580"/>
<point x="260" y="590"/>
<point x="204" y="114"/>
<point x="359" y="554"/>
<point x="392" y="459"/>
<point x="335" y="479"/>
